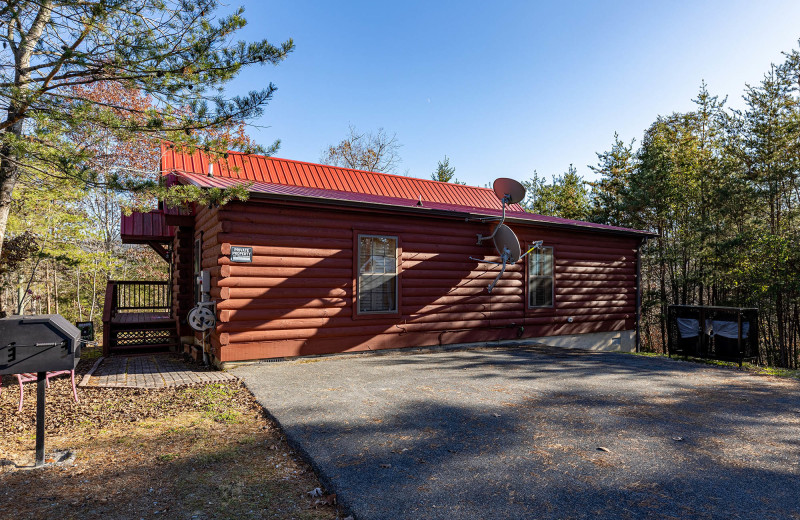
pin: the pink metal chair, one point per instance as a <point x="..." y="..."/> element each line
<point x="31" y="378"/>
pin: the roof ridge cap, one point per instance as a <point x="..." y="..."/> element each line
<point x="171" y="146"/>
<point x="370" y="172"/>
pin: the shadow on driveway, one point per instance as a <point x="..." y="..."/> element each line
<point x="514" y="433"/>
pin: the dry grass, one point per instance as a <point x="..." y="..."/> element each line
<point x="197" y="453"/>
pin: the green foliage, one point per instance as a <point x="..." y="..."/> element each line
<point x="179" y="54"/>
<point x="445" y="173"/>
<point x="721" y="188"/>
<point x="615" y="168"/>
<point x="567" y="197"/>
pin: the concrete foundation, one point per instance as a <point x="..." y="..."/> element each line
<point x="624" y="341"/>
<point x="620" y="341"/>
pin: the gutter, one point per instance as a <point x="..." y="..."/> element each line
<point x="421" y="210"/>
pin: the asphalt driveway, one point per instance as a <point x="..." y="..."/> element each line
<point x="541" y="433"/>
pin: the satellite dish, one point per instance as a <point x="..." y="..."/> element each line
<point x="507" y="244"/>
<point x="508" y="190"/>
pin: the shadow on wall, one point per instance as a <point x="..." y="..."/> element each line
<point x="303" y="305"/>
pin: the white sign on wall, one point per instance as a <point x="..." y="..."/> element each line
<point x="241" y="254"/>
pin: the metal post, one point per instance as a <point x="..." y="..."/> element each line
<point x="41" y="379"/>
<point x="739" y="337"/>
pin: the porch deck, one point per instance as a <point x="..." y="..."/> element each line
<point x="138" y="318"/>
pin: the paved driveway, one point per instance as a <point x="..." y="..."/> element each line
<point x="539" y="433"/>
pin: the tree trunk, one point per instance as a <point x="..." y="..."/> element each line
<point x="55" y="287"/>
<point x="94" y="292"/>
<point x="78" y="294"/>
<point x="9" y="171"/>
<point x="20" y="294"/>
<point x="8" y="179"/>
<point x="47" y="284"/>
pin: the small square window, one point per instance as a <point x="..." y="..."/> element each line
<point x="376" y="289"/>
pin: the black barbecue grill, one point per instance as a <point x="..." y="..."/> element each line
<point x="40" y="344"/>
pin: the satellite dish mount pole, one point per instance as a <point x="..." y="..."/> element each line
<point x="481" y="238"/>
<point x="508" y="191"/>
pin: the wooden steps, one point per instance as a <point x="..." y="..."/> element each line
<point x="138" y="332"/>
<point x="138" y="318"/>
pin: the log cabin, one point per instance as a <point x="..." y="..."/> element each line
<point x="323" y="260"/>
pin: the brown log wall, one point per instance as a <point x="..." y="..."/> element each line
<point x="297" y="298"/>
<point x="207" y="227"/>
<point x="182" y="279"/>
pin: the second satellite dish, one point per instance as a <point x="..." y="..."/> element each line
<point x="507" y="244"/>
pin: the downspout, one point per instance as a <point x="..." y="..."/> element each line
<point x="639" y="293"/>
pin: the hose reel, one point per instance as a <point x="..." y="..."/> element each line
<point x="201" y="318"/>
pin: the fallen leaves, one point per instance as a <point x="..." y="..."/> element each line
<point x="154" y="453"/>
<point x="326" y="500"/>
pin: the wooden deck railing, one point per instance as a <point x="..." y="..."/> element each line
<point x="143" y="296"/>
<point x="137" y="296"/>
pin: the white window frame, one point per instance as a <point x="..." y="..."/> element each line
<point x="359" y="274"/>
<point x="535" y="268"/>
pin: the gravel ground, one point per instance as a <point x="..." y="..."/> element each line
<point x="541" y="433"/>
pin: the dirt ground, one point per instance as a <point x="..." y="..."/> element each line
<point x="198" y="452"/>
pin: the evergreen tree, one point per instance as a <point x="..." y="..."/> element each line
<point x="445" y="173"/>
<point x="178" y="52"/>
<point x="567" y="197"/>
<point x="615" y="167"/>
<point x="769" y="152"/>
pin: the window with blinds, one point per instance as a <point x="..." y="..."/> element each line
<point x="376" y="289"/>
<point x="540" y="277"/>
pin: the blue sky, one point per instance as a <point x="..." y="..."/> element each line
<point x="503" y="88"/>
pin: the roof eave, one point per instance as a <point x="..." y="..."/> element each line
<point x="421" y="210"/>
<point x="443" y="213"/>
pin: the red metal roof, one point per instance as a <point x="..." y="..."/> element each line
<point x="305" y="193"/>
<point x="269" y="170"/>
<point x="141" y="228"/>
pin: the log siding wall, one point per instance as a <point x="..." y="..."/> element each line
<point x="297" y="296"/>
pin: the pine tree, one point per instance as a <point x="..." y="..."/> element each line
<point x="609" y="205"/>
<point x="179" y="53"/>
<point x="567" y="197"/>
<point x="445" y="173"/>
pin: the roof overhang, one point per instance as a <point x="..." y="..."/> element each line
<point x="411" y="207"/>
